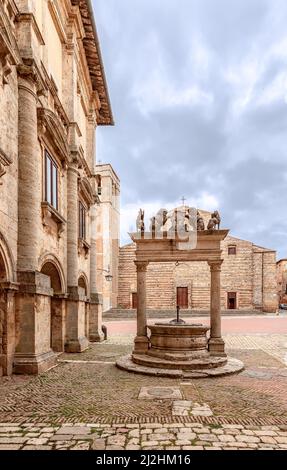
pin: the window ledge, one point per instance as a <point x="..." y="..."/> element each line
<point x="48" y="213"/>
<point x="83" y="247"/>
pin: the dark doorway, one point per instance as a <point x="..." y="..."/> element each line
<point x="231" y="300"/>
<point x="134" y="300"/>
<point x="182" y="297"/>
<point x="56" y="307"/>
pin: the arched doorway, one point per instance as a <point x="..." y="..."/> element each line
<point x="7" y="308"/>
<point x="82" y="283"/>
<point x="57" y="334"/>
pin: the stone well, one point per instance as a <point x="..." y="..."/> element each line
<point x="179" y="350"/>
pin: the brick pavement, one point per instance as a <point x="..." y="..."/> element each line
<point x="90" y="389"/>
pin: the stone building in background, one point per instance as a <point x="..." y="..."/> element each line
<point x="282" y="280"/>
<point x="108" y="239"/>
<point x="53" y="95"/>
<point x="248" y="279"/>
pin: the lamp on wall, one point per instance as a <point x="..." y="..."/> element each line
<point x="108" y="276"/>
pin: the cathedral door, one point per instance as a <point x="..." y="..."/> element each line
<point x="231" y="300"/>
<point x="182" y="297"/>
<point x="134" y="300"/>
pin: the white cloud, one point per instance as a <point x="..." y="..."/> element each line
<point x="198" y="94"/>
<point x="157" y="93"/>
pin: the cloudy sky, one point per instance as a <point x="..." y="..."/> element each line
<point x="199" y="95"/>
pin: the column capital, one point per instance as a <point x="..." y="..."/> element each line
<point x="29" y="71"/>
<point x="141" y="266"/>
<point x="215" y="265"/>
<point x="72" y="167"/>
<point x="9" y="286"/>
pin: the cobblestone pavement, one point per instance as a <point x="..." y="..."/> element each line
<point x="248" y="410"/>
<point x="176" y="436"/>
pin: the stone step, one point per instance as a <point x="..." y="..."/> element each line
<point x="195" y="364"/>
<point x="126" y="314"/>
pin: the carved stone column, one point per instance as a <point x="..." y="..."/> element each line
<point x="141" y="343"/>
<point x="75" y="316"/>
<point x="216" y="343"/>
<point x="30" y="180"/>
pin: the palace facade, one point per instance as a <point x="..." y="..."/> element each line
<point x="58" y="249"/>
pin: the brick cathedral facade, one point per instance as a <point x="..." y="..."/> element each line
<point x="248" y="280"/>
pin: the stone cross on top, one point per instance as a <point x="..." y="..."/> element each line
<point x="183" y="200"/>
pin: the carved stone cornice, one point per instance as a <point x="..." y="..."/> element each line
<point x="51" y="126"/>
<point x="4" y="162"/>
<point x="9" y="52"/>
<point x="95" y="63"/>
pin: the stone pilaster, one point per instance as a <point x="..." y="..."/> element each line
<point x="141" y="342"/>
<point x="95" y="318"/>
<point x="33" y="312"/>
<point x="216" y="344"/>
<point x="58" y="322"/>
<point x="76" y="322"/>
<point x="7" y="327"/>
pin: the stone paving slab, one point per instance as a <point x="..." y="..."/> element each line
<point x="165" y="437"/>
